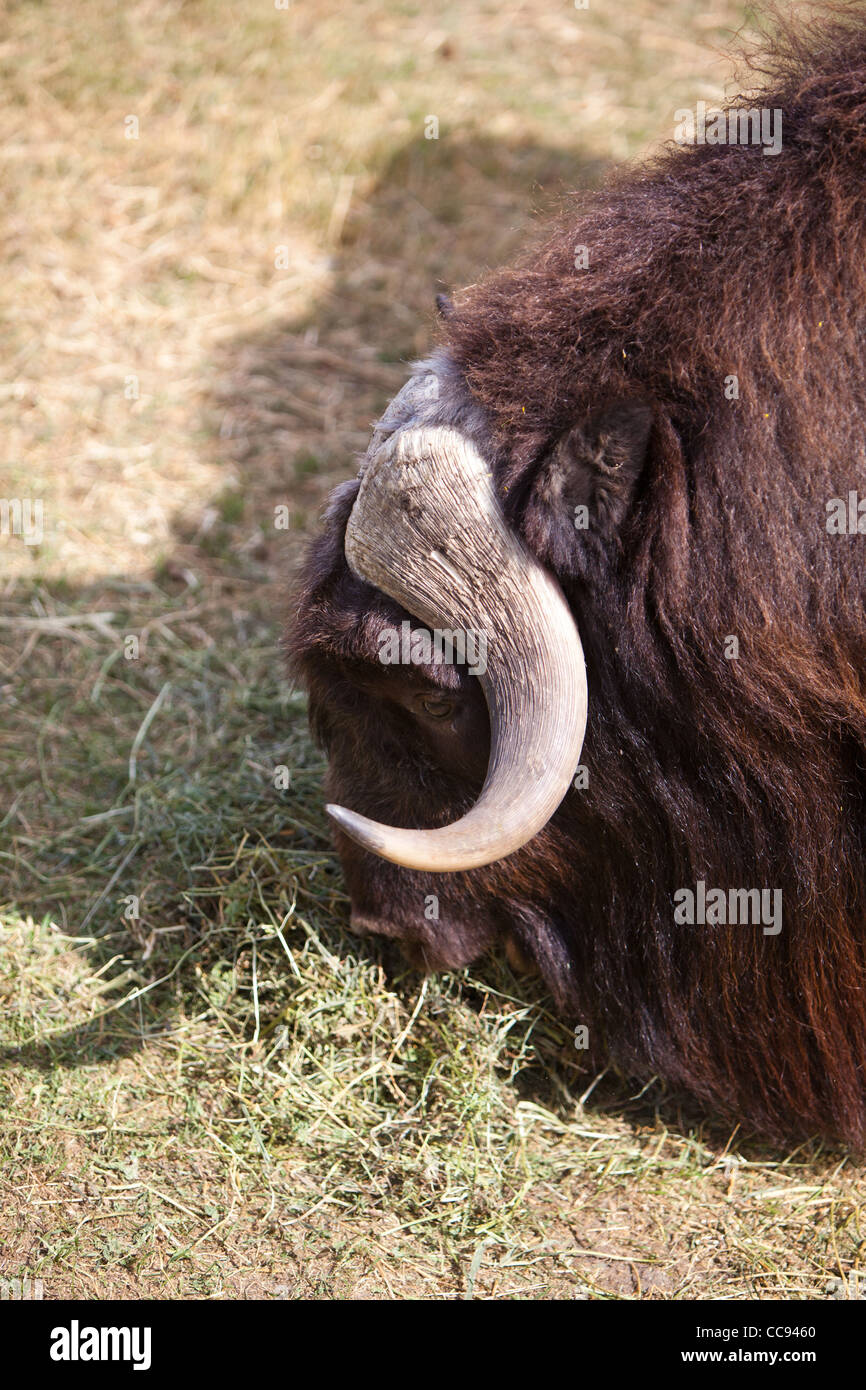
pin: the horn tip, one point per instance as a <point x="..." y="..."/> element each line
<point x="358" y="827"/>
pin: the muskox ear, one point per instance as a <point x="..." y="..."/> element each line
<point x="599" y="464"/>
<point x="586" y="484"/>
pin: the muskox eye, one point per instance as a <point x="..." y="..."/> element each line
<point x="437" y="706"/>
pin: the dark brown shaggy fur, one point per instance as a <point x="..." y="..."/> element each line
<point x="605" y="386"/>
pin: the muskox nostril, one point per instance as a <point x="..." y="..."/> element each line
<point x="520" y="962"/>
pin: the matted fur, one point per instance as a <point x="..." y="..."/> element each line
<point x="607" y="385"/>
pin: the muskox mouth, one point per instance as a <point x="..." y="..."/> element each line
<point x="427" y="530"/>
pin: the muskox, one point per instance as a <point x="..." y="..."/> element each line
<point x="635" y="463"/>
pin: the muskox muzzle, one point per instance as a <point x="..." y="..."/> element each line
<point x="427" y="530"/>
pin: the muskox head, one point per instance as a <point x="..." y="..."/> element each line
<point x="453" y="768"/>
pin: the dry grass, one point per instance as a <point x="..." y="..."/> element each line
<point x="209" y="1088"/>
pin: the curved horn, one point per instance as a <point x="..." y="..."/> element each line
<point x="427" y="530"/>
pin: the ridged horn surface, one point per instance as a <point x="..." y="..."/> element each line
<point x="427" y="530"/>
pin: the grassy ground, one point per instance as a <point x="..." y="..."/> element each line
<point x="209" y="1089"/>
